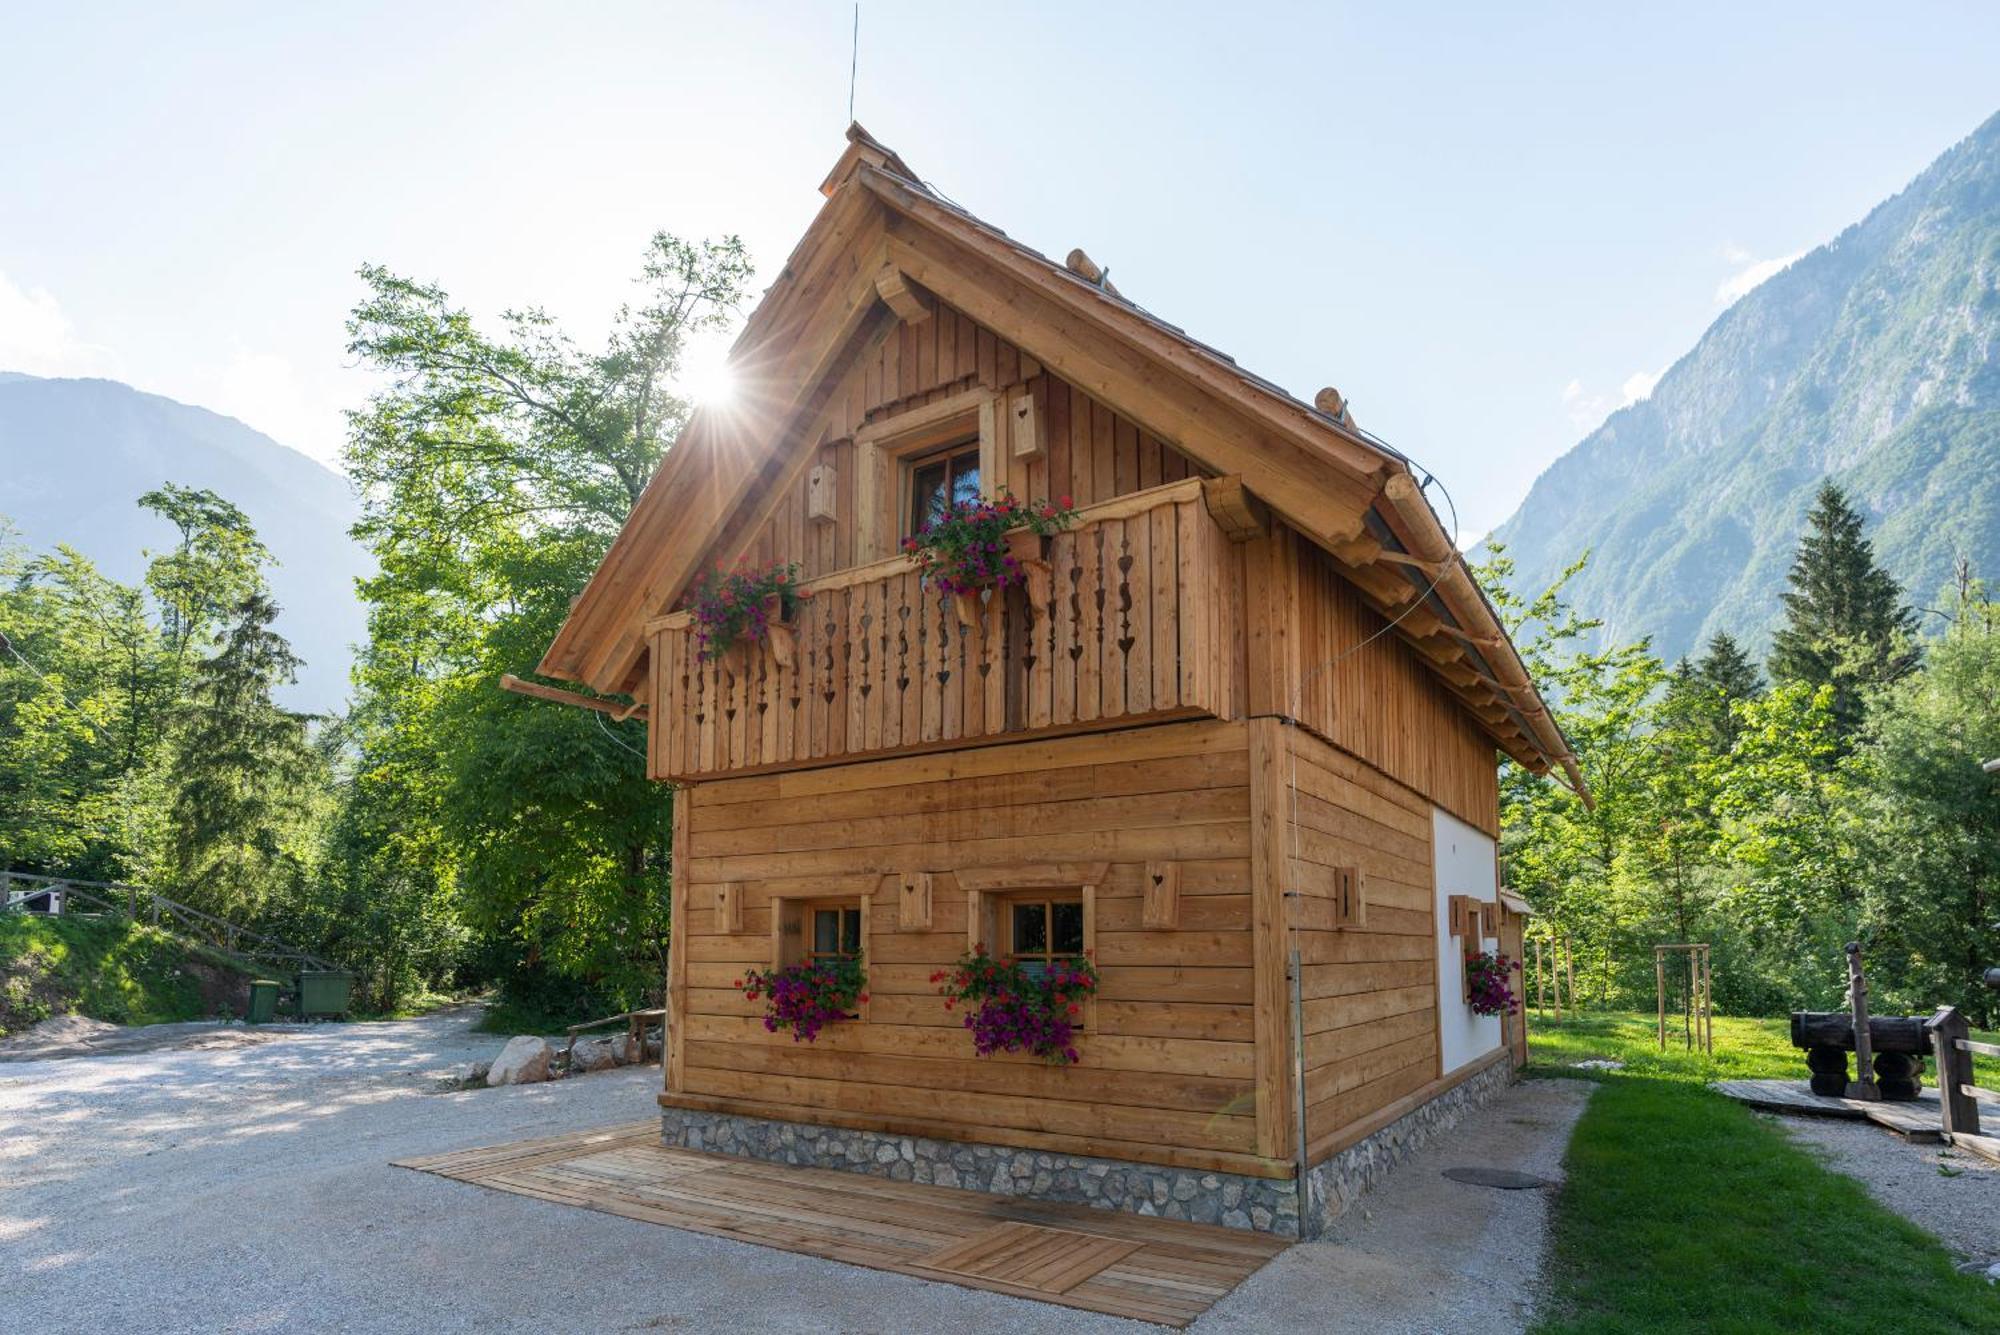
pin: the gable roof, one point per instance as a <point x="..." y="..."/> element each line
<point x="1348" y="491"/>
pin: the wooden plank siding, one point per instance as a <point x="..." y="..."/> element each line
<point x="1168" y="1064"/>
<point x="1368" y="994"/>
<point x="1320" y="654"/>
<point x="1093" y="453"/>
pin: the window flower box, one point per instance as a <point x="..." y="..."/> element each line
<point x="974" y="547"/>
<point x="804" y="998"/>
<point x="1011" y="1008"/>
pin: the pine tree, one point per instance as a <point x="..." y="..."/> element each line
<point x="1846" y="624"/>
<point x="1725" y="676"/>
<point x="242" y="767"/>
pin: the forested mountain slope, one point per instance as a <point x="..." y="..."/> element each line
<point x="76" y="455"/>
<point x="1871" y="359"/>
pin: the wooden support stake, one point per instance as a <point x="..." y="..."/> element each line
<point x="1708" y="999"/>
<point x="1863" y="1086"/>
<point x="1947" y="1030"/>
<point x="1660" y="991"/>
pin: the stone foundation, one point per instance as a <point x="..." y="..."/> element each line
<point x="1337" y="1183"/>
<point x="1266" y="1205"/>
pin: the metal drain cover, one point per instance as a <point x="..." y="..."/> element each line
<point x="1504" y="1178"/>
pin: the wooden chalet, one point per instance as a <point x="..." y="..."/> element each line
<point x="1246" y="730"/>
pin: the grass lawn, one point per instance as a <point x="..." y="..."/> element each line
<point x="1685" y="1211"/>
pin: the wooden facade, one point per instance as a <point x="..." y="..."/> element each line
<point x="1228" y="719"/>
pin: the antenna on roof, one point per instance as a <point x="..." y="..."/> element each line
<point x="853" y="61"/>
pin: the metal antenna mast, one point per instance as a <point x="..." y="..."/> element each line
<point x="853" y="61"/>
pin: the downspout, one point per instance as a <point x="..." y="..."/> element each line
<point x="1299" y="1082"/>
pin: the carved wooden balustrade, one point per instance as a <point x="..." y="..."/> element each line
<point x="1137" y="617"/>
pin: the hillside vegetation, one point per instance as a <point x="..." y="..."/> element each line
<point x="107" y="969"/>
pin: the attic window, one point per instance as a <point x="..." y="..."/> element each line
<point x="939" y="481"/>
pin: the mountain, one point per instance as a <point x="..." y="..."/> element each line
<point x="76" y="455"/>
<point x="1872" y="360"/>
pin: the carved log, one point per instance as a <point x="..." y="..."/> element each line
<point x="1835" y="1029"/>
<point x="1829" y="1070"/>
<point x="1899" y="1075"/>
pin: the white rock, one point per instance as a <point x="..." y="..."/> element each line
<point x="596" y="1055"/>
<point x="524" y="1061"/>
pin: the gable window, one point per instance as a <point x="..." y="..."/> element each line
<point x="939" y="481"/>
<point x="1041" y="931"/>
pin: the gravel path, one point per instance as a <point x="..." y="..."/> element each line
<point x="248" y="1188"/>
<point x="1952" y="1194"/>
<point x="1423" y="1253"/>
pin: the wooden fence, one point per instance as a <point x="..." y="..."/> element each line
<point x="19" y="892"/>
<point x="1132" y="614"/>
<point x="1958" y="1095"/>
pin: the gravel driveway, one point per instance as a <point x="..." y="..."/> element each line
<point x="247" y="1187"/>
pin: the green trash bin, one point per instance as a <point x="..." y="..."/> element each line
<point x="324" y="991"/>
<point x="263" y="1007"/>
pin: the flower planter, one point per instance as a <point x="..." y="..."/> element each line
<point x="783" y="640"/>
<point x="733" y="609"/>
<point x="1029" y="551"/>
<point x="989" y="545"/>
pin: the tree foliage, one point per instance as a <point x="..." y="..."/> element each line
<point x="1776" y="822"/>
<point x="495" y="468"/>
<point x="1846" y="625"/>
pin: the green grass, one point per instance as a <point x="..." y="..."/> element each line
<point x="1684" y="1211"/>
<point x="505" y="1016"/>
<point x="1745" y="1049"/>
<point x="105" y="968"/>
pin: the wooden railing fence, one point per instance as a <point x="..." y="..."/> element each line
<point x="1959" y="1095"/>
<point x="19" y="892"/>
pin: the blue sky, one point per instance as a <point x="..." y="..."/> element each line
<point x="1488" y="224"/>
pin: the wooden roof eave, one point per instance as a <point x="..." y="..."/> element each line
<point x="1310" y="432"/>
<point x="1269" y="407"/>
<point x="1418" y="527"/>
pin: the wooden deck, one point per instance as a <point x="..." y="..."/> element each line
<point x="1920" y="1120"/>
<point x="1157" y="1270"/>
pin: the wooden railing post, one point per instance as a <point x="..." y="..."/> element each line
<point x="1948" y="1029"/>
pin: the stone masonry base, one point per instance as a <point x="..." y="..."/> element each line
<point x="1267" y="1205"/>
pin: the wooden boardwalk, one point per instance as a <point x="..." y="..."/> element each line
<point x="1157" y="1270"/>
<point x="1919" y="1120"/>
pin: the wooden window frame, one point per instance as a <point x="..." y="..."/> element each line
<point x="948" y="454"/>
<point x="796" y="912"/>
<point x="883" y="449"/>
<point x="1047" y="899"/>
<point x="988" y="888"/>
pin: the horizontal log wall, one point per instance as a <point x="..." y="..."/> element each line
<point x="1370" y="992"/>
<point x="1167" y="1072"/>
<point x="1092" y="453"/>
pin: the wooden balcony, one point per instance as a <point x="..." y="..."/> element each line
<point x="1138" y="619"/>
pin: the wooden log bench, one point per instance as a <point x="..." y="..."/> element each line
<point x="1899" y="1043"/>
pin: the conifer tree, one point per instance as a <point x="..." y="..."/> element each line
<point x="1846" y="625"/>
<point x="241" y="765"/>
<point x="1725" y="676"/>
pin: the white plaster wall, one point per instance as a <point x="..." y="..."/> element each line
<point x="1464" y="862"/>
